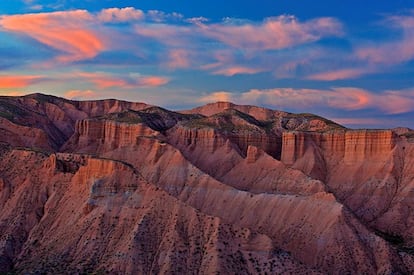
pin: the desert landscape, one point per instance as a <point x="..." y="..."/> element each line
<point x="118" y="187"/>
<point x="207" y="137"/>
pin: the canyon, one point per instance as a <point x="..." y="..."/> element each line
<point x="117" y="187"/>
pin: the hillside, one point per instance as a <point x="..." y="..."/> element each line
<point x="118" y="187"/>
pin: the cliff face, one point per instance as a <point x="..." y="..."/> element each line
<point x="298" y="210"/>
<point x="56" y="117"/>
<point x="107" y="211"/>
<point x="102" y="135"/>
<point x="368" y="170"/>
<point x="22" y="136"/>
<point x="119" y="187"/>
<point x="351" y="146"/>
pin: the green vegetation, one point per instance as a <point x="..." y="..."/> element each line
<point x="35" y="150"/>
<point x="199" y="123"/>
<point x="6" y="115"/>
<point x="11" y="109"/>
<point x="303" y="117"/>
<point x="395" y="240"/>
<point x="409" y="136"/>
<point x="130" y="117"/>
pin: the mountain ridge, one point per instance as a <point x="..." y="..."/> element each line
<point x="226" y="188"/>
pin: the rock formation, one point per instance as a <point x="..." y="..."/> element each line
<point x="116" y="187"/>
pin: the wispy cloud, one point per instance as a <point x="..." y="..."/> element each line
<point x="120" y="14"/>
<point x="64" y="31"/>
<point x="233" y="70"/>
<point x="217" y="96"/>
<point x="80" y="94"/>
<point x="18" y="81"/>
<point x="359" y="121"/>
<point x="342" y="98"/>
<point x="394" y="51"/>
<point x="105" y="80"/>
<point x="248" y="39"/>
<point x="178" y="58"/>
<point x="340" y="74"/>
<point x="272" y="34"/>
<point x="160" y="16"/>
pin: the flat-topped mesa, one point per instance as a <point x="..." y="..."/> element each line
<point x="106" y="134"/>
<point x="352" y="146"/>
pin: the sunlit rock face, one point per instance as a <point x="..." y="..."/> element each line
<point x="118" y="187"/>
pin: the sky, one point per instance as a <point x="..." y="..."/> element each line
<point x="349" y="61"/>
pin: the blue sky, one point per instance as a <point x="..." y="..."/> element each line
<point x="349" y="61"/>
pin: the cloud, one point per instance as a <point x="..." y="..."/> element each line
<point x="256" y="42"/>
<point x="64" y="31"/>
<point x="160" y="16"/>
<point x="18" y="81"/>
<point x="342" y="98"/>
<point x="272" y="34"/>
<point x="120" y="14"/>
<point x="80" y="94"/>
<point x="14" y="93"/>
<point x="392" y="52"/>
<point x="151" y="81"/>
<point x="231" y="71"/>
<point x="358" y="121"/>
<point x="216" y="96"/>
<point x="104" y="80"/>
<point x="178" y="58"/>
<point x="168" y="34"/>
<point x="340" y="74"/>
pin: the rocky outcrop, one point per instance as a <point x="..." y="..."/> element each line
<point x="370" y="171"/>
<point x="102" y="135"/>
<point x="174" y="174"/>
<point x="106" y="218"/>
<point x="146" y="190"/>
<point x="351" y="146"/>
<point x="22" y="136"/>
<point x="56" y="117"/>
<point x="218" y="107"/>
<point x="280" y="120"/>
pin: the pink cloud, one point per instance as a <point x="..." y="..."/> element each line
<point x="80" y="94"/>
<point x="348" y="98"/>
<point x="358" y="121"/>
<point x="231" y="71"/>
<point x="14" y="93"/>
<point x="216" y="96"/>
<point x="152" y="81"/>
<point x="340" y="74"/>
<point x="65" y="31"/>
<point x="274" y="33"/>
<point x="392" y="52"/>
<point x="178" y="58"/>
<point x="18" y="81"/>
<point x="120" y="15"/>
<point x="396" y="102"/>
<point x="103" y="80"/>
<point x="343" y="98"/>
<point x="171" y="35"/>
<point x="204" y="40"/>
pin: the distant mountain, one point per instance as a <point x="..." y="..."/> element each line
<point x="110" y="186"/>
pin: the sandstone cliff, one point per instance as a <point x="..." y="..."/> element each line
<point x="368" y="170"/>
